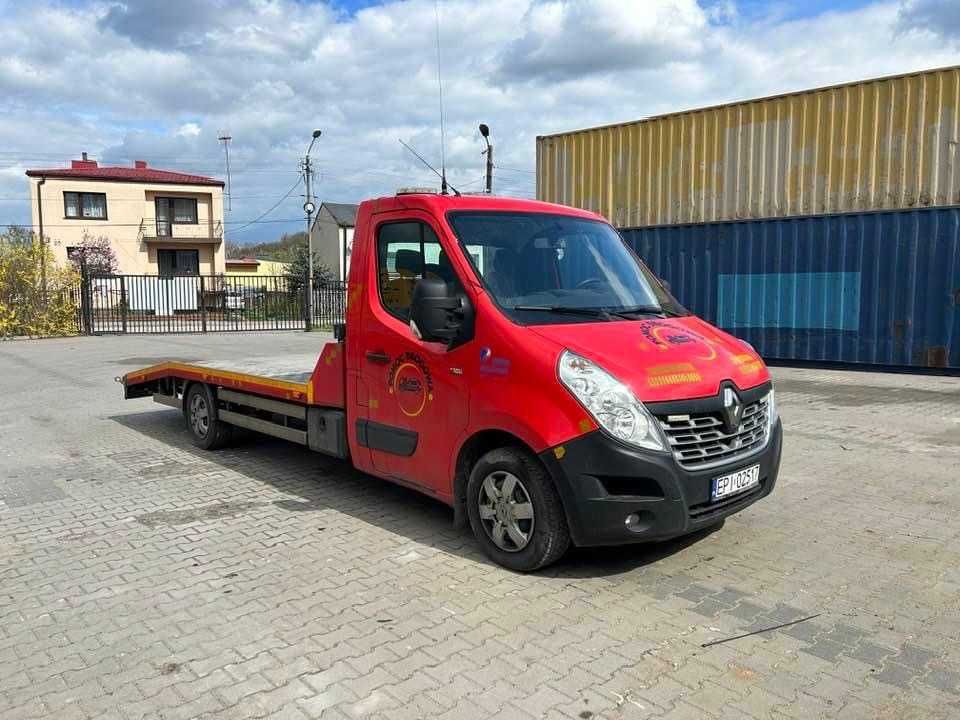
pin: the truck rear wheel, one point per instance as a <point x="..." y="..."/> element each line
<point x="200" y="411"/>
<point x="515" y="511"/>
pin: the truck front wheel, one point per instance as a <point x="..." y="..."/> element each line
<point x="515" y="511"/>
<point x="200" y="410"/>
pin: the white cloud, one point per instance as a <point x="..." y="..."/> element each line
<point x="567" y="39"/>
<point x="148" y="80"/>
<point x="190" y="129"/>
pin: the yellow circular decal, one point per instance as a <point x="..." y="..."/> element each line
<point x="410" y="383"/>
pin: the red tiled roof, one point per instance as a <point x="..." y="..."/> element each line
<point x="126" y="174"/>
<point x="243" y="261"/>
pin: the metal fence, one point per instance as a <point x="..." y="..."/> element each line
<point x="204" y="303"/>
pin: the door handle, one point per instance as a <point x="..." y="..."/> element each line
<point x="378" y="356"/>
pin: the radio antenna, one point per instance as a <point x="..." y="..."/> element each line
<point x="419" y="157"/>
<point x="443" y="157"/>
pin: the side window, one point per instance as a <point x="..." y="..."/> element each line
<point x="81" y="205"/>
<point x="406" y="251"/>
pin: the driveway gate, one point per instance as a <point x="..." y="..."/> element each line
<point x="204" y="303"/>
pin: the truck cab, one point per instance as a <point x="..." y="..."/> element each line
<point x="517" y="361"/>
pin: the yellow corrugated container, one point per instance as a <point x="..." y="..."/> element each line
<point x="877" y="144"/>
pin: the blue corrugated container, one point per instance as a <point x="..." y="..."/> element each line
<point x="880" y="288"/>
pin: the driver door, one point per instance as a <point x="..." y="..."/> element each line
<point x="417" y="393"/>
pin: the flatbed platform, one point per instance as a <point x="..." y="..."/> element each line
<point x="300" y="378"/>
<point x="287" y="368"/>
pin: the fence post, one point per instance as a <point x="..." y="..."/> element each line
<point x="123" y="303"/>
<point x="86" y="300"/>
<point x="168" y="304"/>
<point x="203" y="307"/>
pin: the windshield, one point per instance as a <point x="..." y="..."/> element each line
<point x="576" y="269"/>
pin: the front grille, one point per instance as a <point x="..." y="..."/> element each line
<point x="700" y="440"/>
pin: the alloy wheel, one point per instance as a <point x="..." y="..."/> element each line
<point x="199" y="415"/>
<point x="506" y="511"/>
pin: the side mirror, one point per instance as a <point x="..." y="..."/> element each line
<point x="439" y="315"/>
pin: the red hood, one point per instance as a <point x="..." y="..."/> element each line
<point x="663" y="359"/>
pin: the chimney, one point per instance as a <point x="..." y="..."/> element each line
<point x="84" y="164"/>
<point x="140" y="164"/>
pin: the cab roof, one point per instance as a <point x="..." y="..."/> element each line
<point x="442" y="204"/>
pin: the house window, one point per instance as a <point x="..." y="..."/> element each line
<point x="178" y="262"/>
<point x="179" y="211"/>
<point x="85" y="206"/>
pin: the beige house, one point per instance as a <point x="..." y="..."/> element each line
<point x="157" y="221"/>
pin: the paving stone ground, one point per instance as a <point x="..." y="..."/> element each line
<point x="143" y="578"/>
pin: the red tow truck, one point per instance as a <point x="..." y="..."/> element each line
<point x="517" y="361"/>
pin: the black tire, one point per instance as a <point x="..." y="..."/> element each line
<point x="200" y="412"/>
<point x="546" y="534"/>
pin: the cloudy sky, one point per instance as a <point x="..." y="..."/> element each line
<point x="160" y="79"/>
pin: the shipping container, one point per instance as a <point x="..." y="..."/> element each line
<point x="876" y="144"/>
<point x="879" y="288"/>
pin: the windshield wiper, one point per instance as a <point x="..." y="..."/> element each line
<point x="641" y="310"/>
<point x="621" y="314"/>
<point x="565" y="310"/>
<point x="632" y="312"/>
<point x="656" y="310"/>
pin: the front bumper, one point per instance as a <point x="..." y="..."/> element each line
<point x="601" y="482"/>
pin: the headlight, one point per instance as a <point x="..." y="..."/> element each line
<point x="772" y="413"/>
<point x="610" y="402"/>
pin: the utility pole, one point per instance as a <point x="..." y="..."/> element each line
<point x="485" y="131"/>
<point x="225" y="139"/>
<point x="308" y="208"/>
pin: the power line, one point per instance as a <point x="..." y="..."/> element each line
<point x="342" y="172"/>
<point x="339" y="172"/>
<point x="517" y="170"/>
<point x="187" y="170"/>
<point x="147" y="221"/>
<point x="273" y="207"/>
<point x="205" y="164"/>
<point x="243" y="224"/>
<point x="113" y="199"/>
<point x="472" y="182"/>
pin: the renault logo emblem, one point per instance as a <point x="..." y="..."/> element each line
<point x="732" y="409"/>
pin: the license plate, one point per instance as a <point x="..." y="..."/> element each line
<point x="734" y="483"/>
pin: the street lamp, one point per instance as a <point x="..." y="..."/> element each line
<point x="308" y="208"/>
<point x="485" y="132"/>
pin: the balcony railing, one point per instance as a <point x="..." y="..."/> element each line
<point x="176" y="233"/>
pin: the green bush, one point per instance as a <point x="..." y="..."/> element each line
<point x="37" y="297"/>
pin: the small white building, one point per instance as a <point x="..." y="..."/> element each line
<point x="333" y="236"/>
